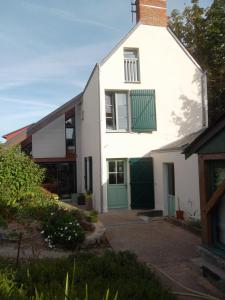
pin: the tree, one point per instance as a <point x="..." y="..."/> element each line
<point x="202" y="31"/>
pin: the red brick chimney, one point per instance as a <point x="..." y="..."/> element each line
<point x="152" y="12"/>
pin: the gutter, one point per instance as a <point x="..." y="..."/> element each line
<point x="204" y="95"/>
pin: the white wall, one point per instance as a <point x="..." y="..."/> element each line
<point x="186" y="182"/>
<point x="50" y="140"/>
<point x="166" y="68"/>
<point x="90" y="137"/>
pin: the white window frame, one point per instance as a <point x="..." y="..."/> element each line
<point x="132" y="78"/>
<point x="117" y="129"/>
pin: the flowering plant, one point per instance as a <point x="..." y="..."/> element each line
<point x="62" y="229"/>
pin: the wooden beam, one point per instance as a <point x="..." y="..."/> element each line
<point x="205" y="219"/>
<point x="70" y="158"/>
<point x="215" y="197"/>
<point x="212" y="156"/>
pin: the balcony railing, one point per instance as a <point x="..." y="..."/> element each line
<point x="131" y="70"/>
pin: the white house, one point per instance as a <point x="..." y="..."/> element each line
<point x="147" y="93"/>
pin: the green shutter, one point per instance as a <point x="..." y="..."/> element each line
<point x="143" y="111"/>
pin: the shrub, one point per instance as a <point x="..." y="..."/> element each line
<point x="62" y="228"/>
<point x="118" y="272"/>
<point x="19" y="176"/>
<point x="92" y="216"/>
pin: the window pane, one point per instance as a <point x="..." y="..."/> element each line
<point x="112" y="178"/>
<point x="120" y="178"/>
<point x="110" y="111"/>
<point x="112" y="166"/>
<point x="121" y="99"/>
<point x="69" y="133"/>
<point x="130" y="53"/>
<point x="120" y="166"/>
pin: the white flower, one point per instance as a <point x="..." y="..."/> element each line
<point x="66" y="227"/>
<point x="52" y="214"/>
<point x="42" y="232"/>
<point x="69" y="238"/>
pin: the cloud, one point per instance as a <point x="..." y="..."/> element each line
<point x="30" y="103"/>
<point x="66" y="65"/>
<point x="67" y="16"/>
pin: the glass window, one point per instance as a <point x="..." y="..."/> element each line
<point x="116" y="172"/>
<point x="131" y="65"/>
<point x="116" y="106"/>
<point x="70" y="134"/>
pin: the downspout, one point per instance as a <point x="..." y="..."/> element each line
<point x="204" y="99"/>
<point x="100" y="137"/>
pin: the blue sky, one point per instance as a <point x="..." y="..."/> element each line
<point x="48" y="49"/>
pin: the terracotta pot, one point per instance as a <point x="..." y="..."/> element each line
<point x="180" y="214"/>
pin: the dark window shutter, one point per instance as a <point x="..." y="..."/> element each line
<point x="85" y="173"/>
<point x="143" y="110"/>
<point x="90" y="175"/>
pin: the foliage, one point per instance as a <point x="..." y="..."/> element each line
<point x="92" y="216"/>
<point x="19" y="176"/>
<point x="81" y="276"/>
<point x="202" y="31"/>
<point x="62" y="228"/>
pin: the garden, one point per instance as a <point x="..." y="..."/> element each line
<point x="29" y="212"/>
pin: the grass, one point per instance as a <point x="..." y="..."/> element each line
<point x="85" y="276"/>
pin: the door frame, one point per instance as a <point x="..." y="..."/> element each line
<point x="127" y="180"/>
<point x="166" y="187"/>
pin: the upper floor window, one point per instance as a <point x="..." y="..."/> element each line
<point x="70" y="134"/>
<point x="116" y="111"/>
<point x="131" y="65"/>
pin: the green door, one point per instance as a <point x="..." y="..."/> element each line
<point x="142" y="183"/>
<point x="117" y="184"/>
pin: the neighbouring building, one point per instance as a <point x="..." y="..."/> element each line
<point x="147" y="93"/>
<point x="210" y="148"/>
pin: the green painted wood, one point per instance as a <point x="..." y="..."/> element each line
<point x="117" y="193"/>
<point x="142" y="183"/>
<point x="143" y="110"/>
<point x="215" y="145"/>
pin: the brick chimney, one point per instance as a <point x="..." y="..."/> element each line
<point x="152" y="12"/>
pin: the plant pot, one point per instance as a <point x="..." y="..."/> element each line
<point x="81" y="199"/>
<point x="180" y="214"/>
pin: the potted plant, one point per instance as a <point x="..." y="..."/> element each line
<point x="81" y="199"/>
<point x="179" y="212"/>
<point x="88" y="200"/>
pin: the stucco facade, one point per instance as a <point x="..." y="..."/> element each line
<point x="186" y="183"/>
<point x="49" y="141"/>
<point x="165" y="67"/>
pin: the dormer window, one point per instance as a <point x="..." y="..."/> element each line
<point x="131" y="66"/>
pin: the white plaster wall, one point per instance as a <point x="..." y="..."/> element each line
<point x="186" y="182"/>
<point x="50" y="140"/>
<point x="78" y="145"/>
<point x="165" y="67"/>
<point x="90" y="137"/>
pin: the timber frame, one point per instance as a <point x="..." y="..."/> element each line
<point x="208" y="203"/>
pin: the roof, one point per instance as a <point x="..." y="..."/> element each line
<point x="181" y="144"/>
<point x="14" y="133"/>
<point x="205" y="137"/>
<point x="29" y="130"/>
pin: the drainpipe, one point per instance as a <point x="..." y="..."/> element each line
<point x="204" y="99"/>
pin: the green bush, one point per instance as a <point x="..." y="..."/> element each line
<point x="92" y="216"/>
<point x="62" y="228"/>
<point x="119" y="272"/>
<point x="19" y="176"/>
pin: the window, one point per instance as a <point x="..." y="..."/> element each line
<point x="70" y="134"/>
<point x="131" y="65"/>
<point x="116" y="172"/>
<point x="88" y="177"/>
<point x="116" y="111"/>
